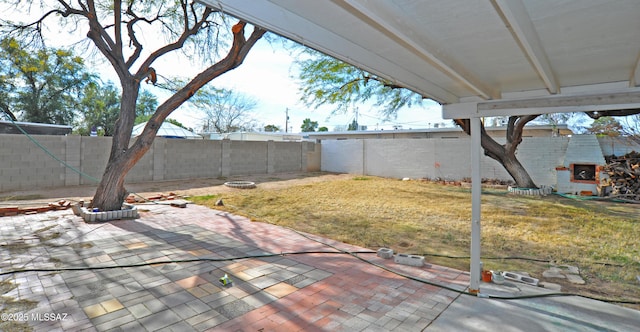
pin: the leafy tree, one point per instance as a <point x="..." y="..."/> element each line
<point x="100" y="106"/>
<point x="271" y="128"/>
<point x="178" y="123"/>
<point x="323" y="129"/>
<point x="606" y="126"/>
<point x="41" y="85"/>
<point x="146" y="106"/>
<point x="5" y="91"/>
<point x="631" y="127"/>
<point x="326" y="80"/>
<point x="142" y="119"/>
<point x="114" y="29"/>
<point x="225" y="110"/>
<point x="147" y="103"/>
<point x="7" y="115"/>
<point x="308" y="125"/>
<point x="556" y="119"/>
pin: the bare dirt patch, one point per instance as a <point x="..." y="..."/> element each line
<point x="186" y="187"/>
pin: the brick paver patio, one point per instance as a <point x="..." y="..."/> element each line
<point x="307" y="292"/>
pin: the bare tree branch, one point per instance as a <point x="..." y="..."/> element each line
<point x="515" y="130"/>
<point x="367" y="78"/>
<point x="384" y="82"/>
<point x="33" y="28"/>
<point x="234" y="58"/>
<point x="117" y="26"/>
<point x="178" y="44"/>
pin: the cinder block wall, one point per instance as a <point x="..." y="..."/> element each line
<point x="248" y="157"/>
<point x="285" y="155"/>
<point x="343" y="156"/>
<point x="94" y="153"/>
<point x="448" y="159"/>
<point x="540" y="156"/>
<point x="186" y="159"/>
<point x="617" y="146"/>
<point x="313" y="152"/>
<point x="24" y="165"/>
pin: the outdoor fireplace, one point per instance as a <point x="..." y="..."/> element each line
<point x="585" y="173"/>
<point x="580" y="171"/>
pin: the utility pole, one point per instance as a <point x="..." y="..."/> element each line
<point x="357" y="124"/>
<point x="286" y="122"/>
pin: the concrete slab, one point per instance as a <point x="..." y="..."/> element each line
<point x="566" y="313"/>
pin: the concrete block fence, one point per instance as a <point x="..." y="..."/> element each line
<point x="25" y="166"/>
<point x="448" y="159"/>
<point x="618" y="146"/>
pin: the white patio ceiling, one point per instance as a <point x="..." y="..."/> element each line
<point x="478" y="57"/>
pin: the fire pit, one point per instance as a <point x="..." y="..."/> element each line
<point x="240" y="184"/>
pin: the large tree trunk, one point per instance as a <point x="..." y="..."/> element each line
<point x="506" y="154"/>
<point x="111" y="192"/>
<point x="517" y="171"/>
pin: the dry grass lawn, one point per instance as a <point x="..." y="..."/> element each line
<point x="424" y="218"/>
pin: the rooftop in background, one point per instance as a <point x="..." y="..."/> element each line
<point x="255" y="136"/>
<point x="167" y="130"/>
<point x="32" y="128"/>
<point x="444" y="133"/>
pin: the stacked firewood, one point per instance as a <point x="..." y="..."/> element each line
<point x="624" y="176"/>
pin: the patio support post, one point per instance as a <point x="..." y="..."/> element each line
<point x="476" y="190"/>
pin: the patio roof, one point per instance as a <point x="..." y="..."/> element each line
<point x="477" y="58"/>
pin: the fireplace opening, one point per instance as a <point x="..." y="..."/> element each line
<point x="583" y="172"/>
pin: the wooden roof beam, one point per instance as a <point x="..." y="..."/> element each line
<point x="515" y="16"/>
<point x="634" y="81"/>
<point x="584" y="102"/>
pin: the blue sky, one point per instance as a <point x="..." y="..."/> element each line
<point x="268" y="76"/>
